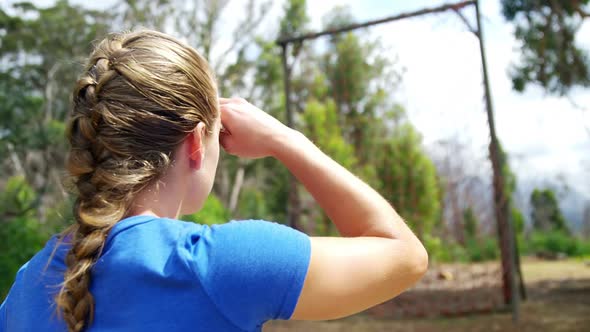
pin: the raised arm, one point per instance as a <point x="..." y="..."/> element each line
<point x="378" y="257"/>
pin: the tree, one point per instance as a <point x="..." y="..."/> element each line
<point x="545" y="214"/>
<point x="464" y="188"/>
<point x="295" y="19"/>
<point x="360" y="82"/>
<point x="470" y="223"/>
<point x="518" y="222"/>
<point x="551" y="56"/>
<point x="266" y="189"/>
<point x="408" y="179"/>
<point x="320" y="124"/>
<point x="212" y="212"/>
<point x="21" y="235"/>
<point x="39" y="60"/>
<point x="198" y="23"/>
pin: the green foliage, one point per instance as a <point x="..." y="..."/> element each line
<point x="39" y="62"/>
<point x="583" y="249"/>
<point x="443" y="252"/>
<point x="18" y="197"/>
<point x="253" y="201"/>
<point x="546" y="214"/>
<point x="212" y="212"/>
<point x="342" y="101"/>
<point x="469" y="223"/>
<point x="269" y="74"/>
<point x="339" y="16"/>
<point x="53" y="39"/>
<point x="42" y="48"/>
<point x="517" y="221"/>
<point x="485" y="249"/>
<point x="515" y="218"/>
<point x="20" y="232"/>
<point x="474" y="250"/>
<point x="321" y="126"/>
<point x="477" y="248"/>
<point x="434" y="247"/>
<point x="349" y="72"/>
<point x="408" y="179"/>
<point x="360" y="79"/>
<point x="295" y="19"/>
<point x="551" y="57"/>
<point x="276" y="190"/>
<point x="557" y="242"/>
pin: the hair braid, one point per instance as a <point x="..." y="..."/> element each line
<point x="139" y="97"/>
<point x="89" y="233"/>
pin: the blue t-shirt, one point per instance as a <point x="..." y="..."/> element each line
<point x="158" y="274"/>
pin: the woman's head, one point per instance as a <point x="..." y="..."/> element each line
<point x="143" y="99"/>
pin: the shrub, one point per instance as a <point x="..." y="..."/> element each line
<point x="444" y="252"/>
<point x="212" y="212"/>
<point x="553" y="242"/>
<point x="479" y="250"/>
<point x="20" y="230"/>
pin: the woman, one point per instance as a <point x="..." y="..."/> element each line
<point x="145" y="131"/>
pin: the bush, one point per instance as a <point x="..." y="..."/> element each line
<point x="475" y="250"/>
<point x="20" y="231"/>
<point x="479" y="250"/>
<point x="583" y="248"/>
<point x="212" y="212"/>
<point x="556" y="242"/>
<point x="444" y="252"/>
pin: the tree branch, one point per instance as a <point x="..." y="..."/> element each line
<point x="243" y="33"/>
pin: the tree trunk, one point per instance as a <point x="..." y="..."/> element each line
<point x="235" y="192"/>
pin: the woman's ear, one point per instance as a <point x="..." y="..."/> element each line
<point x="196" y="146"/>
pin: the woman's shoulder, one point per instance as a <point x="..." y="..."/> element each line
<point x="250" y="228"/>
<point x="238" y="235"/>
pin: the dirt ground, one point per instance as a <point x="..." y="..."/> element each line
<point x="558" y="301"/>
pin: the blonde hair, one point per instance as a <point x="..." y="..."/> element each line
<point x="139" y="97"/>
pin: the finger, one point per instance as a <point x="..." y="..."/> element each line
<point x="240" y="100"/>
<point x="227" y="118"/>
<point x="226" y="112"/>
<point x="225" y="142"/>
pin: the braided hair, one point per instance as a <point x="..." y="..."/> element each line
<point x="139" y="97"/>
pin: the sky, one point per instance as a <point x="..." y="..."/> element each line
<point x="547" y="138"/>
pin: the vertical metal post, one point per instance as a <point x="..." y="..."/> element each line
<point x="287" y="83"/>
<point x="501" y="203"/>
<point x="293" y="198"/>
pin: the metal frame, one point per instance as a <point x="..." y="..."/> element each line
<point x="506" y="237"/>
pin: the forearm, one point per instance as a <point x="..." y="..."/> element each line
<point x="354" y="207"/>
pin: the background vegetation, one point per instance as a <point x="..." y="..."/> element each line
<point x="343" y="102"/>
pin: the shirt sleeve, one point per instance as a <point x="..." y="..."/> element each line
<point x="252" y="270"/>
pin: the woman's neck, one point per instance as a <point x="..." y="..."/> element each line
<point x="162" y="199"/>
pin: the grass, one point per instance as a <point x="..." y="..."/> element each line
<point x="539" y="270"/>
<point x="559" y="301"/>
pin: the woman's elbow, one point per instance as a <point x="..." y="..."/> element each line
<point x="419" y="260"/>
<point x="422" y="260"/>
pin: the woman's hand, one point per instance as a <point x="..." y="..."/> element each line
<point x="249" y="132"/>
<point x="378" y="257"/>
